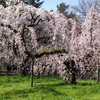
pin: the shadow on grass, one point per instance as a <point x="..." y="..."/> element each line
<point x="41" y="88"/>
<point x="51" y="84"/>
<point x="5" y="97"/>
<point x="85" y="84"/>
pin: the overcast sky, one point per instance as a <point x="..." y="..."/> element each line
<point x="52" y="4"/>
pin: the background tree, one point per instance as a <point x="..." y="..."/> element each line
<point x="64" y="9"/>
<point x="3" y="2"/>
<point x="35" y="3"/>
<point x="82" y="8"/>
<point x="89" y="41"/>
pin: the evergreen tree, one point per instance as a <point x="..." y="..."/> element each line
<point x="64" y="9"/>
<point x="35" y="3"/>
<point x="3" y="2"/>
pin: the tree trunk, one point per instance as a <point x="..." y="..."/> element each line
<point x="32" y="73"/>
<point x="20" y="70"/>
<point x="70" y="66"/>
<point x="73" y="76"/>
<point x="97" y="73"/>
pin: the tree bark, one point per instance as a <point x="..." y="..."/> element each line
<point x="70" y="66"/>
<point x="32" y="72"/>
<point x="97" y="73"/>
<point x="49" y="51"/>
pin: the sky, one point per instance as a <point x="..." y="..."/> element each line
<point x="52" y="4"/>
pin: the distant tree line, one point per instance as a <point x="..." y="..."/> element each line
<point x="35" y="3"/>
<point x="78" y="11"/>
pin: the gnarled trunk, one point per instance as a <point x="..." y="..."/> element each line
<point x="70" y="66"/>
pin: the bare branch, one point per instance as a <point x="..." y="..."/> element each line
<point x="9" y="26"/>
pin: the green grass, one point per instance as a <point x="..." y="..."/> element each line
<point x="47" y="88"/>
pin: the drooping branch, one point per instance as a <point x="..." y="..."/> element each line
<point x="9" y="26"/>
<point x="33" y="23"/>
<point x="24" y="43"/>
<point x="43" y="37"/>
<point x="34" y="20"/>
<point x="49" y="51"/>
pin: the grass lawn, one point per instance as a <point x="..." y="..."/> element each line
<point x="46" y="88"/>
